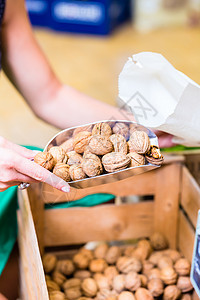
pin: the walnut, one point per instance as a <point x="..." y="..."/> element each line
<point x="187" y="297"/>
<point x="71" y="283"/>
<point x="58" y="277"/>
<point x="106" y="295"/>
<point x="73" y="293"/>
<point x="81" y="261"/>
<point x="84" y="298"/>
<point x="74" y="158"/>
<point x="82" y="274"/>
<point x="132" y="281"/>
<point x="115" y="161"/>
<point x="182" y="267"/>
<point x="45" y="160"/>
<point x="62" y="170"/>
<point x="171" y="292"/>
<point x="101" y="250"/>
<point x="129" y="250"/>
<point x="81" y="141"/>
<point x="119" y="143"/>
<point x="52" y="286"/>
<point x="86" y="252"/>
<point x="136" y="159"/>
<point x="47" y="277"/>
<point x="153" y="273"/>
<point x="143" y="294"/>
<point x="147" y="266"/>
<point x="121" y="128"/>
<point x="165" y="261"/>
<point x="98" y="265"/>
<point x="168" y="275"/>
<point x="119" y="283"/>
<point x="155" y="256"/>
<point x="58" y="154"/>
<point x="156" y="287"/>
<point x="158" y="241"/>
<point x="100" y="145"/>
<point x="101" y="281"/>
<point x="126" y="296"/>
<point x="102" y="129"/>
<point x="154" y="156"/>
<point x="89" y="287"/>
<point x="65" y="266"/>
<point x="174" y="254"/>
<point x="127" y="264"/>
<point x="139" y="142"/>
<point x="110" y="272"/>
<point x="49" y="262"/>
<point x="112" y="255"/>
<point x="143" y="250"/>
<point x="67" y="146"/>
<point x="92" y="165"/>
<point x="81" y="129"/>
<point x="184" y="284"/>
<point x="56" y="295"/>
<point x="76" y="172"/>
<point x="143" y="279"/>
<point x="133" y="128"/>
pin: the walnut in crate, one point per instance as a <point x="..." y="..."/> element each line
<point x="129" y="250"/>
<point x="121" y="128"/>
<point x="110" y="273"/>
<point x="165" y="261"/>
<point x="100" y="145"/>
<point x="143" y="294"/>
<point x="125" y="295"/>
<point x="154" y="273"/>
<point x="119" y="143"/>
<point x="155" y="256"/>
<point x="112" y="255"/>
<point x="173" y="254"/>
<point x="68" y="145"/>
<point x="147" y="266"/>
<point x="89" y="287"/>
<point x="182" y="267"/>
<point x="158" y="241"/>
<point x="74" y="158"/>
<point x="86" y="252"/>
<point x="144" y="280"/>
<point x="168" y="275"/>
<point x="106" y="295"/>
<point x="127" y="264"/>
<point x="136" y="159"/>
<point x="101" y="250"/>
<point x="156" y="287"/>
<point x="82" y="274"/>
<point x="73" y="293"/>
<point x="132" y="281"/>
<point x="59" y="278"/>
<point x="65" y="266"/>
<point x="184" y="284"/>
<point x="81" y="261"/>
<point x="119" y="283"/>
<point x="143" y="250"/>
<point x="84" y="298"/>
<point x="52" y="286"/>
<point x="71" y="283"/>
<point x="49" y="262"/>
<point x="57" y="295"/>
<point x="187" y="297"/>
<point x="98" y="265"/>
<point x="92" y="165"/>
<point x="58" y="154"/>
<point x="76" y="172"/>
<point x="139" y="142"/>
<point x="101" y="281"/>
<point x="62" y="170"/>
<point x="171" y="292"/>
<point x="45" y="160"/>
<point x="81" y="141"/>
<point x="103" y="129"/>
<point x="115" y="161"/>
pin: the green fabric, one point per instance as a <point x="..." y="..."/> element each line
<point x="8" y="219"/>
<point x="179" y="148"/>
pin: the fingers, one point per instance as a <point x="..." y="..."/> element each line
<point x="165" y="141"/>
<point x="38" y="173"/>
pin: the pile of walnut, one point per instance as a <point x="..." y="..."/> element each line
<point x="94" y="150"/>
<point x="145" y="271"/>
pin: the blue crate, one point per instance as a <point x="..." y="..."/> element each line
<point x="82" y="16"/>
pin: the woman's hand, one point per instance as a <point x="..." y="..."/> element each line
<point x="16" y="167"/>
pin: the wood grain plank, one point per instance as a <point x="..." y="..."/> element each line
<point x="107" y="222"/>
<point x="186" y="236"/>
<point x="190" y="196"/>
<point x="167" y="202"/>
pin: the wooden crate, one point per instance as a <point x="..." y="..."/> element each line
<point x="173" y="212"/>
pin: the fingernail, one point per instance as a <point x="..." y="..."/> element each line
<point x="65" y="189"/>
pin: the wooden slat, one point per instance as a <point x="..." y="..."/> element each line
<point x="30" y="259"/>
<point x="167" y="202"/>
<point x="107" y="222"/>
<point x="190" y="196"/>
<point x="186" y="235"/>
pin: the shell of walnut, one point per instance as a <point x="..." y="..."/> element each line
<point x="65" y="266"/>
<point x="125" y="295"/>
<point x="184" y="284"/>
<point x="81" y="141"/>
<point x="62" y="170"/>
<point x="132" y="281"/>
<point x="82" y="274"/>
<point x="58" y="277"/>
<point x="112" y="255"/>
<point x="127" y="264"/>
<point x="74" y="158"/>
<point x="58" y="154"/>
<point x="119" y="143"/>
<point x="110" y="273"/>
<point x="165" y="261"/>
<point x="139" y="142"/>
<point x="76" y="172"/>
<point x="72" y="283"/>
<point x="73" y="293"/>
<point x="49" y="262"/>
<point x="45" y="160"/>
<point x="68" y="145"/>
<point x="171" y="292"/>
<point x="101" y="281"/>
<point x="56" y="295"/>
<point x="81" y="261"/>
<point x="103" y="129"/>
<point x="119" y="283"/>
<point x="115" y="161"/>
<point x="182" y="267"/>
<point x="158" y="241"/>
<point x="101" y="250"/>
<point x="121" y="128"/>
<point x="143" y="294"/>
<point x="92" y="165"/>
<point x="168" y="275"/>
<point x="98" y="265"/>
<point x="100" y="145"/>
<point x="136" y="159"/>
<point x="89" y="287"/>
<point x="156" y="287"/>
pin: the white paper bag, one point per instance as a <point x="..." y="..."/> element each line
<point x="161" y="97"/>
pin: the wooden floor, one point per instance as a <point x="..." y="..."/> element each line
<point x="92" y="65"/>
